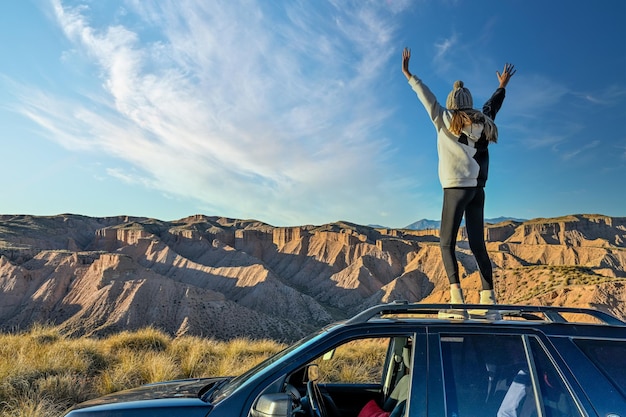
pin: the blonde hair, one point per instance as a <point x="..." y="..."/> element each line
<point x="462" y="118"/>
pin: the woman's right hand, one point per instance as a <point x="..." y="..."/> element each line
<point x="406" y="56"/>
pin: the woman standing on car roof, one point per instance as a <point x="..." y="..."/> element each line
<point x="463" y="136"/>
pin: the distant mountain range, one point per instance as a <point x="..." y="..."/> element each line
<point x="426" y="224"/>
<point x="225" y="278"/>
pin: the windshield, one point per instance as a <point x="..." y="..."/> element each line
<point x="283" y="356"/>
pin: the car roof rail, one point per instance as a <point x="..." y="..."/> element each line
<point x="552" y="314"/>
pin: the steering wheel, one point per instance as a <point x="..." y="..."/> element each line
<point x="296" y="398"/>
<point x="316" y="401"/>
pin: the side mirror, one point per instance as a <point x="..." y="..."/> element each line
<point x="313" y="372"/>
<point x="329" y="355"/>
<point x="273" y="405"/>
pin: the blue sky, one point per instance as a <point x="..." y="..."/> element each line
<point x="296" y="112"/>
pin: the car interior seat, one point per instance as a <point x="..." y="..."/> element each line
<point x="396" y="402"/>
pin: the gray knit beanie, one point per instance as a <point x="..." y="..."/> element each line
<point x="459" y="98"/>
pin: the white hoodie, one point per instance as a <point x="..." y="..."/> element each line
<point x="463" y="159"/>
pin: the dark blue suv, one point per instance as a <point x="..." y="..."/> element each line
<point x="534" y="361"/>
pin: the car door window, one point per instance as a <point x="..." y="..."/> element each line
<point x="557" y="400"/>
<point x="609" y="356"/>
<point x="358" y="361"/>
<point x="486" y="375"/>
<point x="502" y="376"/>
<point x="366" y="376"/>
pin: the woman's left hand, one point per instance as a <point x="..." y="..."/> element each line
<point x="507" y="73"/>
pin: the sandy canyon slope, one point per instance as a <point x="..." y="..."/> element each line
<point x="224" y="278"/>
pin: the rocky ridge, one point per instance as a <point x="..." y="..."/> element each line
<point x="224" y="278"/>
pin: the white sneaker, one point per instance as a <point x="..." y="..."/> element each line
<point x="453" y="314"/>
<point x="487" y="297"/>
<point x="485" y="314"/>
<point x="456" y="297"/>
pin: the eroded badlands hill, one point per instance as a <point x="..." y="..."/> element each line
<point x="224" y="278"/>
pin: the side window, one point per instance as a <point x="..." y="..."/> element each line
<point x="609" y="356"/>
<point x="365" y="376"/>
<point x="486" y="375"/>
<point x="556" y="398"/>
<point x="358" y="361"/>
<point x="500" y="375"/>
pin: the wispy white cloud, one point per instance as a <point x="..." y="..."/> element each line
<point x="251" y="108"/>
<point x="543" y="140"/>
<point x="622" y="149"/>
<point x="443" y="58"/>
<point x="583" y="149"/>
<point x="534" y="94"/>
<point x="607" y="97"/>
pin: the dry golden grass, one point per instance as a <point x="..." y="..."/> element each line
<point x="42" y="372"/>
<point x="195" y="355"/>
<point x="143" y="340"/>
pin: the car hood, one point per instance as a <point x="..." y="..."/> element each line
<point x="186" y="388"/>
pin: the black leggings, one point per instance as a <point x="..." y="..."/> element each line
<point x="471" y="202"/>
